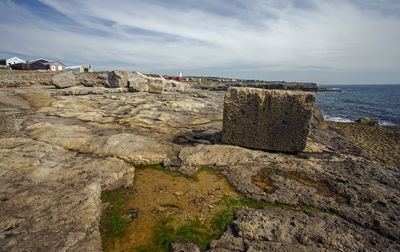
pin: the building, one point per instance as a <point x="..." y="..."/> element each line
<point x="3" y="64"/>
<point x="41" y="60"/>
<point x="56" y="66"/>
<point x="38" y="65"/>
<point x="14" y="60"/>
<point x="20" y="66"/>
<point x="81" y="68"/>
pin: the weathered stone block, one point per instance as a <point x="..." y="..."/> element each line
<point x="118" y="78"/>
<point x="156" y="85"/>
<point x="137" y="83"/>
<point x="274" y="120"/>
<point x="63" y="80"/>
<point x="317" y="119"/>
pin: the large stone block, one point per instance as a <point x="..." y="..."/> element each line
<point x="63" y="80"/>
<point x="275" y="120"/>
<point x="118" y="78"/>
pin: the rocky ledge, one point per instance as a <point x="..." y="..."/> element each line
<point x="60" y="148"/>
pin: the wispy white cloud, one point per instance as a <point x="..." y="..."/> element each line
<point x="240" y="37"/>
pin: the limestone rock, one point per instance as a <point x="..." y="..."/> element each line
<point x="136" y="149"/>
<point x="137" y="83"/>
<point x="367" y="121"/>
<point x="118" y="78"/>
<point x="88" y="139"/>
<point x="267" y="119"/>
<point x="277" y="229"/>
<point x="156" y="85"/>
<point x="317" y="119"/>
<point x="184" y="247"/>
<point x="171" y="85"/>
<point x="50" y="197"/>
<point x="64" y="80"/>
<point x="38" y="100"/>
<point x="217" y="155"/>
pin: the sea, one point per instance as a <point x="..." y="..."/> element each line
<point x="378" y="102"/>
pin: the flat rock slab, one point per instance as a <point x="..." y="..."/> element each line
<point x="275" y="120"/>
<point x="287" y="230"/>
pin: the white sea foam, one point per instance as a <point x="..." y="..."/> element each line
<point x="384" y="123"/>
<point x="337" y="119"/>
<point x="341" y="119"/>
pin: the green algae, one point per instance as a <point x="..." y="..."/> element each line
<point x="164" y="233"/>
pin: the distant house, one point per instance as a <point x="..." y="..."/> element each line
<point x="81" y="68"/>
<point x="56" y="66"/>
<point x="39" y="65"/>
<point x="41" y="60"/>
<point x="174" y="78"/>
<point x="3" y="64"/>
<point x="20" y="66"/>
<point x="14" y="60"/>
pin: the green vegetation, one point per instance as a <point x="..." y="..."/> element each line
<point x="216" y="121"/>
<point x="114" y="223"/>
<point x="196" y="232"/>
<point x="225" y="217"/>
<point x="208" y="170"/>
<point x="164" y="234"/>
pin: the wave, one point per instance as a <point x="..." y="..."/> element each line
<point x="345" y="120"/>
<point x="337" y="119"/>
<point x="385" y="123"/>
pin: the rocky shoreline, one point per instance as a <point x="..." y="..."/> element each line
<point x="61" y="148"/>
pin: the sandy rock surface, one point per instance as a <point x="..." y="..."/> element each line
<point x="59" y="149"/>
<point x="280" y="230"/>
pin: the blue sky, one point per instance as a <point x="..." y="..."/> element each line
<point x="323" y="41"/>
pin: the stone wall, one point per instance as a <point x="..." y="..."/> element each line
<point x="16" y="78"/>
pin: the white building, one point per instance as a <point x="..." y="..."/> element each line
<point x="14" y="60"/>
<point x="80" y="68"/>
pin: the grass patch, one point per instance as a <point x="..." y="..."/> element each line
<point x="165" y="234"/>
<point x="114" y="224"/>
<point x="216" y="121"/>
<point x="235" y="204"/>
<point x="159" y="167"/>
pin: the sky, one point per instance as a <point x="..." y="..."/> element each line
<point x="322" y="41"/>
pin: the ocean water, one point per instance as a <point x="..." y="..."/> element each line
<point x="378" y="102"/>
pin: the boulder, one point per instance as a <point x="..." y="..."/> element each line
<point x="63" y="80"/>
<point x="367" y="121"/>
<point x="317" y="119"/>
<point x="156" y="85"/>
<point x="275" y="120"/>
<point x="171" y="85"/>
<point x="184" y="247"/>
<point x="137" y="83"/>
<point x="118" y="78"/>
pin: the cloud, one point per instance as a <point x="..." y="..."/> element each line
<point x="235" y="36"/>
